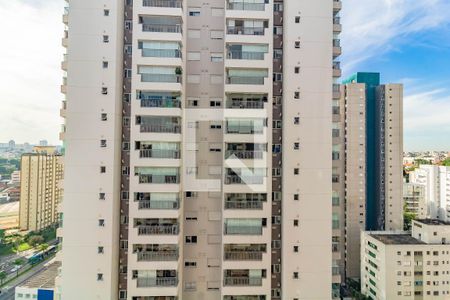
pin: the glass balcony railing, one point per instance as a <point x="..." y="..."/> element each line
<point x="241" y="179"/>
<point x="159" y="179"/>
<point x="257" y="80"/>
<point x="163" y="28"/>
<point x="159" y="153"/>
<point x="245" y="6"/>
<point x="157" y="256"/>
<point x="243" y="204"/>
<point x="243" y="229"/>
<point x="152" y="204"/>
<point x="242" y="281"/>
<point x="245" y="55"/>
<point x="244" y="154"/>
<point x="162" y="3"/>
<point x="245" y="30"/>
<point x="170" y="53"/>
<point x="158" y="229"/>
<point x="243" y="255"/>
<point x="161" y="128"/>
<point x="245" y="104"/>
<point x="167" y="78"/>
<point x="157" y="282"/>
<point x="163" y="103"/>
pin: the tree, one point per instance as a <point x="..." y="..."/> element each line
<point x="2" y="235"/>
<point x="35" y="240"/>
<point x="43" y="247"/>
<point x="18" y="262"/>
<point x="2" y="276"/>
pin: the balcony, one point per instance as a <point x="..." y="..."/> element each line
<point x="159" y="99"/>
<point x="65" y="17"/>
<point x="65" y="39"/>
<point x="163" y="24"/>
<point x="336" y="91"/>
<point x="166" y="53"/>
<point x="245" y="126"/>
<point x="245" y="201"/>
<point x="159" y="179"/>
<point x="244" y="252"/>
<point x="258" y="80"/>
<point x="239" y="179"/>
<point x="337" y="69"/>
<point x="337" y="50"/>
<point x="337" y="6"/>
<point x="167" y="78"/>
<point x="152" y="200"/>
<point x="242" y="281"/>
<point x="156" y="226"/>
<point x="245" y="297"/>
<point x="247" y="55"/>
<point x="243" y="227"/>
<point x="159" y="153"/>
<point x="148" y="204"/>
<point x="242" y="30"/>
<point x="244" y="154"/>
<point x="243" y="5"/>
<point x="337" y="27"/>
<point x="156" y="282"/>
<point x="159" y="124"/>
<point x="157" y="256"/>
<point x="246" y="101"/>
<point x="162" y="3"/>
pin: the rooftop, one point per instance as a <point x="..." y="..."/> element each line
<point x="396" y="239"/>
<point x="44" y="279"/>
<point x="432" y="222"/>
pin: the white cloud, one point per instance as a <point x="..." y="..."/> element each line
<point x="426" y="120"/>
<point x="30" y="57"/>
<point x="373" y="27"/>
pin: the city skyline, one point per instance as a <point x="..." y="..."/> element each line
<point x="378" y="45"/>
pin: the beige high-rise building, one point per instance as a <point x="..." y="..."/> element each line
<point x="371" y="121"/>
<point x="400" y="265"/>
<point x="41" y="188"/>
<point x="198" y="150"/>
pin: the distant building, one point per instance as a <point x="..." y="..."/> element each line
<point x="14" y="193"/>
<point x="436" y="180"/>
<point x="400" y="265"/>
<point x="15" y="177"/>
<point x="40" y="189"/>
<point x="43" y="143"/>
<point x="414" y="198"/>
<point x="41" y="286"/>
<point x="12" y="144"/>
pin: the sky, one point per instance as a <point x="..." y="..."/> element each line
<point x="407" y="41"/>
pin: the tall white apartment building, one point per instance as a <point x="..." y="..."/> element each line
<point x="436" y="180"/>
<point x="400" y="265"/>
<point x="198" y="150"/>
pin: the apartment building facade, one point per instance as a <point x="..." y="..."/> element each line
<point x="41" y="188"/>
<point x="436" y="180"/>
<point x="200" y="120"/>
<point x="414" y="197"/>
<point x="400" y="265"/>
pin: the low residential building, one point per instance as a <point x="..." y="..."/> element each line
<point x="400" y="265"/>
<point x="41" y="286"/>
<point x="15" y="177"/>
<point x="415" y="200"/>
<point x="437" y="186"/>
<point x="41" y="188"/>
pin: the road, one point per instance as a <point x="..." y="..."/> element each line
<point x="8" y="290"/>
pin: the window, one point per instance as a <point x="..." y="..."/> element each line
<point x="193" y="33"/>
<point x="276" y="172"/>
<point x="194" y="11"/>
<point x="296" y="120"/>
<point x="216" y="34"/>
<point x="217" y="12"/>
<point x="295" y="223"/>
<point x="275" y="293"/>
<point x="102" y="169"/>
<point x="104" y="117"/>
<point x="128" y="25"/>
<point x="101" y="222"/>
<point x="100" y="250"/>
<point x="296" y="171"/>
<point x="191" y="239"/>
<point x="215" y="103"/>
<point x="295" y="248"/>
<point x="103" y="143"/>
<point x="102" y="196"/>
<point x="297" y="70"/>
<point x="278" y="7"/>
<point x="297" y="19"/>
<point x="276" y="148"/>
<point x="106" y="12"/>
<point x="277" y="77"/>
<point x="126" y="97"/>
<point x="122" y="294"/>
<point x="192" y="102"/>
<point x="276" y="124"/>
<point x="296" y="197"/>
<point x="127" y="73"/>
<point x="277" y="53"/>
<point x="193" y="56"/>
<point x="276" y="220"/>
<point x="296" y="146"/>
<point x="99" y="276"/>
<point x="106" y="39"/>
<point x="297" y="44"/>
<point x="296" y="95"/>
<point x="104" y="90"/>
<point x="105" y="64"/>
<point x="190" y="263"/>
<point x="295" y="275"/>
<point x="216" y="57"/>
<point x="276" y="268"/>
<point x="278" y="30"/>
